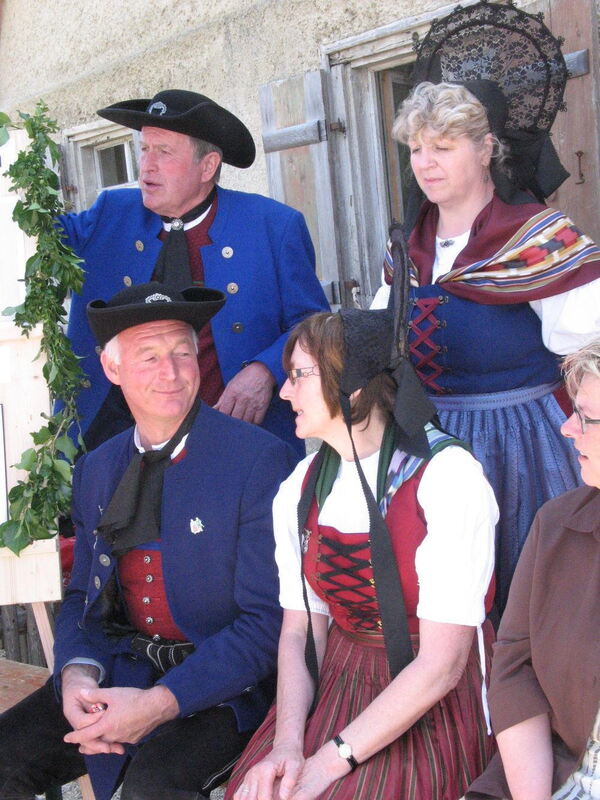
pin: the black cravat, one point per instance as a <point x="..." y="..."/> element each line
<point x="133" y="514"/>
<point x="173" y="263"/>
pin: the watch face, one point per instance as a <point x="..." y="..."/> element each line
<point x="345" y="750"/>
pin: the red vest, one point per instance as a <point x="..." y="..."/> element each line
<point x="343" y="576"/>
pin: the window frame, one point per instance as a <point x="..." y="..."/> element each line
<point x="80" y="170"/>
<point x="362" y="207"/>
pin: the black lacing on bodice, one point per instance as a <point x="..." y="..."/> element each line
<point x="346" y="578"/>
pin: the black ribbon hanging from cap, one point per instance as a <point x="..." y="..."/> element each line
<point x="390" y="596"/>
<point x="374" y="341"/>
<point x="412" y="409"/>
<point x="173" y="263"/>
<point x="133" y="514"/>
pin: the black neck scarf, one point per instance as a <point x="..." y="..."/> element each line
<point x="173" y="263"/>
<point x="133" y="514"/>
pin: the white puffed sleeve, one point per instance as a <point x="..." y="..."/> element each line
<point x="287" y="548"/>
<point x="455" y="561"/>
<point x="570" y="320"/>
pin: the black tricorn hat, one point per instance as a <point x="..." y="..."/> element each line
<point x="148" y="302"/>
<point x="190" y="113"/>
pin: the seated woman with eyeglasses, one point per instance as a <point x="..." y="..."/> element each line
<point x="373" y="736"/>
<point x="545" y="683"/>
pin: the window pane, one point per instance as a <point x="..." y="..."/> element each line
<point x="113" y="165"/>
<point x="394" y="86"/>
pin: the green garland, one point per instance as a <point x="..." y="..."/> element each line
<point x="36" y="502"/>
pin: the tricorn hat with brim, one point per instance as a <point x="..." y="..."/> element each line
<point x="192" y="114"/>
<point x="149" y="302"/>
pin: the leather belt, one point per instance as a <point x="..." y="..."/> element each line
<point x="162" y="653"/>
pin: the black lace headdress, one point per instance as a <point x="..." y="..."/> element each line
<point x="486" y="47"/>
<point x="503" y="44"/>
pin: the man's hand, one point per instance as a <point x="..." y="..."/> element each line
<point x="76" y="707"/>
<point x="248" y="394"/>
<point x="128" y="715"/>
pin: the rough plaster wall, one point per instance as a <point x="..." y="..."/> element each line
<point x="81" y="56"/>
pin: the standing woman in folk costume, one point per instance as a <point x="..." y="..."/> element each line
<point x="500" y="283"/>
<point x="385" y="550"/>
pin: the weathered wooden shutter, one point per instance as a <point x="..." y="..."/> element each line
<point x="575" y="132"/>
<point x="296" y="131"/>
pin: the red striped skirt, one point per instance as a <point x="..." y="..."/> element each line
<point x="436" y="759"/>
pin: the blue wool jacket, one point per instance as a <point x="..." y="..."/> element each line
<point x="221" y="583"/>
<point x="260" y="245"/>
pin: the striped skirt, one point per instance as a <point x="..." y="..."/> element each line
<point x="436" y="759"/>
<point x="516" y="437"/>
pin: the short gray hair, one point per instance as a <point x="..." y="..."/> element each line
<point x="585" y="361"/>
<point x="203" y="148"/>
<point x="112" y="349"/>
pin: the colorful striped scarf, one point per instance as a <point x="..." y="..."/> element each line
<point x="546" y="255"/>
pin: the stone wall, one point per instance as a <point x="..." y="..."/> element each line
<point x="81" y="56"/>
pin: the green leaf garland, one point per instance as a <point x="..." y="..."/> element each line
<point x="36" y="502"/>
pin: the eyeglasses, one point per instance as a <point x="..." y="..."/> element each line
<point x="302" y="372"/>
<point x="584" y="421"/>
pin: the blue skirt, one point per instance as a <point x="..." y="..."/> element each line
<point x="516" y="437"/>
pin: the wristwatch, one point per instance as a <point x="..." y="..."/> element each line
<point x="345" y="751"/>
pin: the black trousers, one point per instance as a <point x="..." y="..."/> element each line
<point x="185" y="761"/>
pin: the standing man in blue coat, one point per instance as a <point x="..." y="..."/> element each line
<point x="254" y="249"/>
<point x="167" y="637"/>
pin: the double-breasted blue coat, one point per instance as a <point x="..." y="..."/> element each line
<point x="261" y="257"/>
<point x="221" y="583"/>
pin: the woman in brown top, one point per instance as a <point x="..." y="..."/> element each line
<point x="545" y="682"/>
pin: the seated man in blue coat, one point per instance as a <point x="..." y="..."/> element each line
<point x="180" y="228"/>
<point x="167" y="637"/>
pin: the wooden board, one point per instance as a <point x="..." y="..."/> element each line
<point x="32" y="577"/>
<point x="17" y="681"/>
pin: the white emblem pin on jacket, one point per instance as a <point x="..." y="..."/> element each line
<point x="196" y="525"/>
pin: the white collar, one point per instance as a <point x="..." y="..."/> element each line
<point x="137" y="442"/>
<point x="192" y="224"/>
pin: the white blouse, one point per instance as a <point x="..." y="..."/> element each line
<point x="454" y="562"/>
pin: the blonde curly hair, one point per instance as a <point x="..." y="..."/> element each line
<point x="448" y="110"/>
